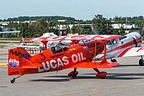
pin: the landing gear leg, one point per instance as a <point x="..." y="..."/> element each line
<point x="100" y="75"/>
<point x="73" y="73"/>
<point x="141" y="61"/>
<point x="13" y="80"/>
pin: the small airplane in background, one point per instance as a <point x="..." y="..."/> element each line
<point x="80" y="53"/>
<point x="5" y="32"/>
<point x="15" y="43"/>
<point x="125" y="46"/>
<point x="43" y="43"/>
<point x="28" y="44"/>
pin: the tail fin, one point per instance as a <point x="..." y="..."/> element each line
<point x="17" y="57"/>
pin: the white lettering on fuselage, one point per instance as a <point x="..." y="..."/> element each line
<point x="59" y="62"/>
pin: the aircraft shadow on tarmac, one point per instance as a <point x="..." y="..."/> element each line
<point x="61" y="78"/>
<point x="122" y="76"/>
<point x="125" y="65"/>
<point x="125" y="76"/>
<point x="53" y="79"/>
<point x="114" y="76"/>
<point x="78" y="77"/>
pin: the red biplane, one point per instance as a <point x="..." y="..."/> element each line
<point x="76" y="55"/>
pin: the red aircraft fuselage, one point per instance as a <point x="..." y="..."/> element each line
<point x="47" y="61"/>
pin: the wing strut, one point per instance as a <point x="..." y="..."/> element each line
<point x="100" y="74"/>
<point x="104" y="58"/>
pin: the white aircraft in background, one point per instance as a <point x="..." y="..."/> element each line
<point x="3" y="32"/>
<point x="11" y="43"/>
<point x="126" y="46"/>
<point x="41" y="38"/>
<point x="41" y="45"/>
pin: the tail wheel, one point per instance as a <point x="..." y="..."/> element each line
<point x="141" y="62"/>
<point x="13" y="80"/>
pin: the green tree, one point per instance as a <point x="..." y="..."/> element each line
<point x="41" y="26"/>
<point x="0" y="29"/>
<point x="77" y="29"/>
<point x="102" y="25"/>
<point x="140" y="24"/>
<point x="74" y="29"/>
<point x="121" y="31"/>
<point x="132" y="29"/>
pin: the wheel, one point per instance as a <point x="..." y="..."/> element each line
<point x="73" y="74"/>
<point x="101" y="75"/>
<point x="13" y="80"/>
<point x="113" y="60"/>
<point x="141" y="62"/>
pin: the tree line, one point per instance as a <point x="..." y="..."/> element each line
<point x="34" y="18"/>
<point x="43" y="24"/>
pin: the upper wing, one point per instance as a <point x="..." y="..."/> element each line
<point x="79" y="37"/>
<point x="137" y="51"/>
<point x="39" y="39"/>
<point x="30" y="46"/>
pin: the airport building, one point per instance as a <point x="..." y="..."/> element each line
<point x="62" y="28"/>
<point x="127" y="27"/>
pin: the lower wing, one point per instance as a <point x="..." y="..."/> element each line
<point x="94" y="65"/>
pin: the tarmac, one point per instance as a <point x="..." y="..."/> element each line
<point x="3" y="55"/>
<point x="125" y="80"/>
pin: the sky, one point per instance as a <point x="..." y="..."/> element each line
<point x="78" y="9"/>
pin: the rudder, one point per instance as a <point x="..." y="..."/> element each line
<point x="17" y="57"/>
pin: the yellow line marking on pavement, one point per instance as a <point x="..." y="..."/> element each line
<point x="3" y="64"/>
<point x="139" y="84"/>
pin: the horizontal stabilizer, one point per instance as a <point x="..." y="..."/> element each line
<point x="36" y="65"/>
<point x="137" y="51"/>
